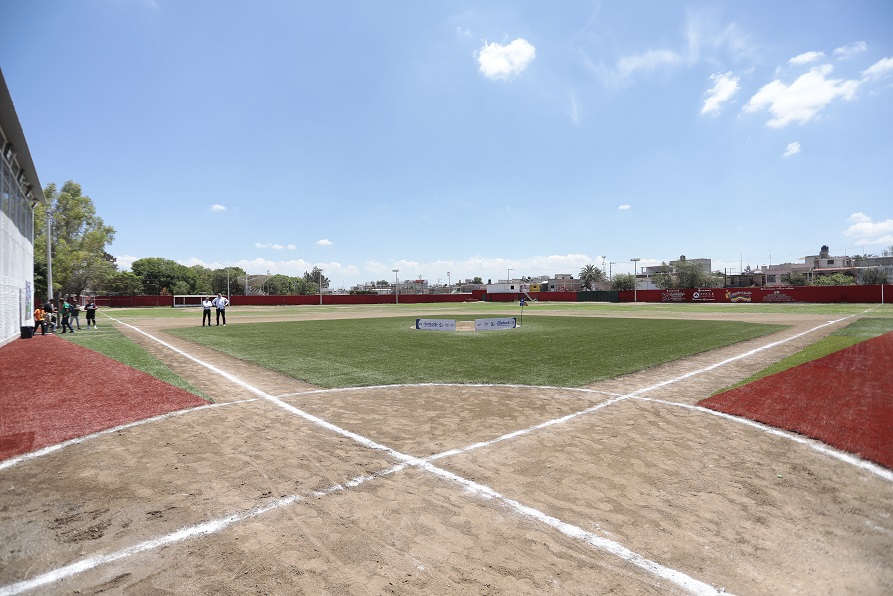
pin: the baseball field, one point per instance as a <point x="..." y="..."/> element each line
<point x="340" y="450"/>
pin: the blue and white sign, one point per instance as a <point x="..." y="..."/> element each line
<point x="495" y="324"/>
<point x="436" y="324"/>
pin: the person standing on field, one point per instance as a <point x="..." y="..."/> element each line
<point x="75" y="311"/>
<point x="220" y="303"/>
<point x="206" y="308"/>
<point x="91" y="312"/>
<point x="65" y="313"/>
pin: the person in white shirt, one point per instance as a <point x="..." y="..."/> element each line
<point x="206" y="308"/>
<point x="220" y="303"/>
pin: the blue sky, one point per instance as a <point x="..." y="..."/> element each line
<point x="463" y="137"/>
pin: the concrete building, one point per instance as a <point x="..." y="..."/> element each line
<point x="20" y="191"/>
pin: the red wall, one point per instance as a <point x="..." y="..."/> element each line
<point x="826" y="294"/>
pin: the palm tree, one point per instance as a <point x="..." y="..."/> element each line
<point x="590" y="275"/>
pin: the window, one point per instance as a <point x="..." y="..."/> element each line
<point x="830" y="261"/>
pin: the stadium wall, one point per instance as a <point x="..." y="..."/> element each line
<point x="822" y="294"/>
<point x="869" y="294"/>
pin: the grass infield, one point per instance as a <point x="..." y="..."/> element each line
<point x="548" y="350"/>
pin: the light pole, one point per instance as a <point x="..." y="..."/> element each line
<point x="509" y="280"/>
<point x="227" y="283"/>
<point x="449" y="283"/>
<point x="609" y="269"/>
<point x="396" y="287"/>
<point x="320" y="287"/>
<point x="49" y="256"/>
<point x="635" y="281"/>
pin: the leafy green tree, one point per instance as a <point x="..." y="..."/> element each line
<point x="888" y="252"/>
<point x="591" y="275"/>
<point x="872" y="276"/>
<point x="477" y="280"/>
<point x="78" y="239"/>
<point x="203" y="280"/>
<point x="794" y="279"/>
<point x="229" y="280"/>
<point x="663" y="279"/>
<point x="835" y="279"/>
<point x="125" y="283"/>
<point x="160" y="276"/>
<point x="316" y="277"/>
<point x="623" y="281"/>
<point x="690" y="275"/>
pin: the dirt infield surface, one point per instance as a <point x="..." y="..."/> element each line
<point x="280" y="488"/>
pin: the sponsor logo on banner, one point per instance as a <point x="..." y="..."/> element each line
<point x="742" y="296"/>
<point x="777" y="296"/>
<point x="673" y="296"/>
<point x="495" y="324"/>
<point x="703" y="296"/>
<point x="436" y="324"/>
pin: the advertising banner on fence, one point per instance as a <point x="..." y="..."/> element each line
<point x="436" y="324"/>
<point x="495" y="324"/>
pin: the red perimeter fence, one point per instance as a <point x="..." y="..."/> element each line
<point x="828" y="294"/>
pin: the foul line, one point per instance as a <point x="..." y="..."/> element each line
<point x="811" y="443"/>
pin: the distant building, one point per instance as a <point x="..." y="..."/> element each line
<point x="20" y="191"/>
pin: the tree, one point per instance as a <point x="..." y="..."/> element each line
<point x="78" y="239"/>
<point x="663" y="279"/>
<point x="590" y="275"/>
<point x="794" y="279"/>
<point x="888" y="252"/>
<point x="873" y="276"/>
<point x="835" y="279"/>
<point x="477" y="280"/>
<point x="690" y="275"/>
<point x="161" y="276"/>
<point x="317" y="278"/>
<point x="229" y="280"/>
<point x="125" y="283"/>
<point x="623" y="281"/>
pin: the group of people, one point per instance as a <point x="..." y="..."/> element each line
<point x="220" y="303"/>
<point x="48" y="315"/>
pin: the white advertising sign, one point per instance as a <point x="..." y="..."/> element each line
<point x="495" y="324"/>
<point x="436" y="324"/>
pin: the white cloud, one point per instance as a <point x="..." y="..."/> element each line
<point x="124" y="262"/>
<point x="268" y="245"/>
<point x="647" y="62"/>
<point x="802" y="100"/>
<point x="217" y="208"/>
<point x="324" y="242"/>
<point x="879" y="69"/>
<point x="624" y="207"/>
<point x="850" y="50"/>
<point x="870" y="232"/>
<point x="291" y="247"/>
<point x="792" y="149"/>
<point x="463" y="31"/>
<point x="502" y="62"/>
<point x="725" y="86"/>
<point x="806" y="58"/>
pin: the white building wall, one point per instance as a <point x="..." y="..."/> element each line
<point x="16" y="257"/>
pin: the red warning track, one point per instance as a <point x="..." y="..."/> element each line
<point x="52" y="391"/>
<point x="844" y="399"/>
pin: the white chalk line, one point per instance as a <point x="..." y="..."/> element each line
<point x="594" y="540"/>
<point x="811" y="443"/>
<point x="609" y="546"/>
<point x="52" y="448"/>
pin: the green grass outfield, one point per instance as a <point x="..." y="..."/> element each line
<point x="553" y="350"/>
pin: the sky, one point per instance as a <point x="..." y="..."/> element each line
<point x="457" y="139"/>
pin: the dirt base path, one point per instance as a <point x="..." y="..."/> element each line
<point x="620" y="487"/>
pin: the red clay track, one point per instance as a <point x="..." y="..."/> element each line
<point x="844" y="399"/>
<point x="52" y="390"/>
